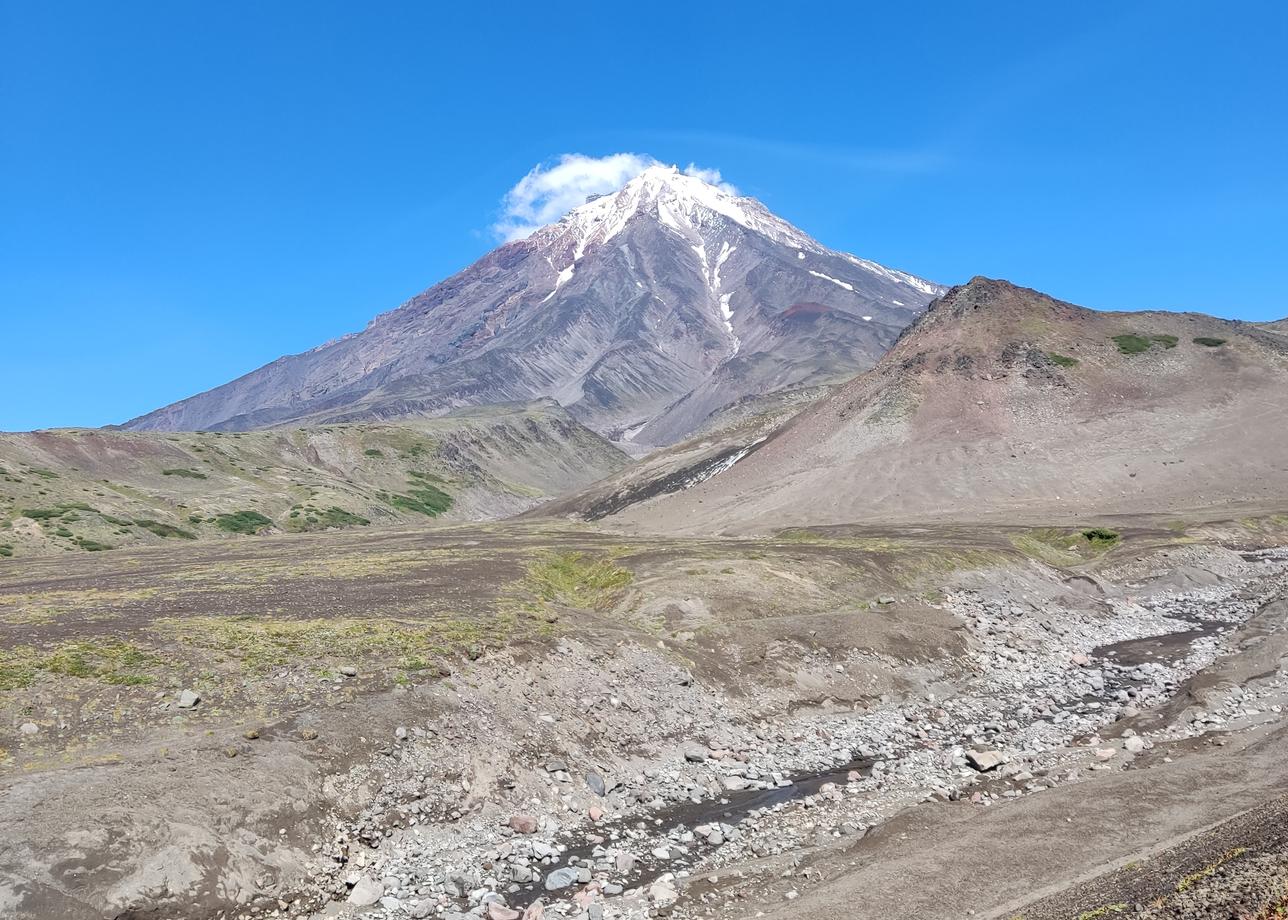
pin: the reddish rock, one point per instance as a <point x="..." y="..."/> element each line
<point x="524" y="824"/>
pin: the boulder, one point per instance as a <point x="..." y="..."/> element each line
<point x="366" y="892"/>
<point x="983" y="761"/>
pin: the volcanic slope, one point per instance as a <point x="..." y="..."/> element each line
<point x="642" y="312"/>
<point x="1003" y="403"/>
<point x="88" y="490"/>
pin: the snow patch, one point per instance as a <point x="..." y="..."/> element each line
<point x="897" y="276"/>
<point x="725" y="252"/>
<point x="726" y="312"/>
<point x="722" y="466"/>
<point x="564" y="277"/>
<point x="799" y="254"/>
<point x="701" y="250"/>
<point x="836" y="281"/>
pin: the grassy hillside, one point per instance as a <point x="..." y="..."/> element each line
<point x="89" y="490"/>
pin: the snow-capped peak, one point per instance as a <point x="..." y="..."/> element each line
<point x="679" y="200"/>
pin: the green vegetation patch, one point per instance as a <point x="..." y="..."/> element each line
<point x="1101" y="538"/>
<point x="578" y="580"/>
<point x="338" y="517"/>
<point x="91" y="546"/>
<point x="257" y="644"/>
<point x="168" y="531"/>
<point x="58" y="511"/>
<point x="1100" y="912"/>
<point x="1062" y="360"/>
<point x="423" y="498"/>
<point x="308" y="518"/>
<point x="1208" y="342"/>
<point x="1060" y="547"/>
<point x="110" y="661"/>
<point x="372" y="452"/>
<point x="184" y="474"/>
<point x="1132" y="344"/>
<point x="1195" y="877"/>
<point x="6" y="549"/>
<point x="248" y="522"/>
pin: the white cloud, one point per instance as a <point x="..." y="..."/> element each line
<point x="711" y="177"/>
<point x="548" y="192"/>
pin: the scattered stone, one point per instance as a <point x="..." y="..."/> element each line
<point x="188" y="699"/>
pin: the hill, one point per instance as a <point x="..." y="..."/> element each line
<point x="1004" y="403"/>
<point x="81" y="489"/>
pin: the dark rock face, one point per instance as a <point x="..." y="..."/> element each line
<point x="641" y="312"/>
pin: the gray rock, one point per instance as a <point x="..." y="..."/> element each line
<point x="188" y="699"/>
<point x="366" y="892"/>
<point x="985" y="760"/>
<point x="561" y="878"/>
<point x="596" y="784"/>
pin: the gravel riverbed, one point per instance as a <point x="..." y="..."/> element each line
<point x="684" y="788"/>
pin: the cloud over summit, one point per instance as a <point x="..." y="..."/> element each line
<point x="551" y="190"/>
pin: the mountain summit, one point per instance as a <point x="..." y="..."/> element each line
<point x="642" y="312"/>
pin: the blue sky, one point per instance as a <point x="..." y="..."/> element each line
<point x="190" y="190"/>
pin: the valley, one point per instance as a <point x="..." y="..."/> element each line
<point x="417" y="723"/>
